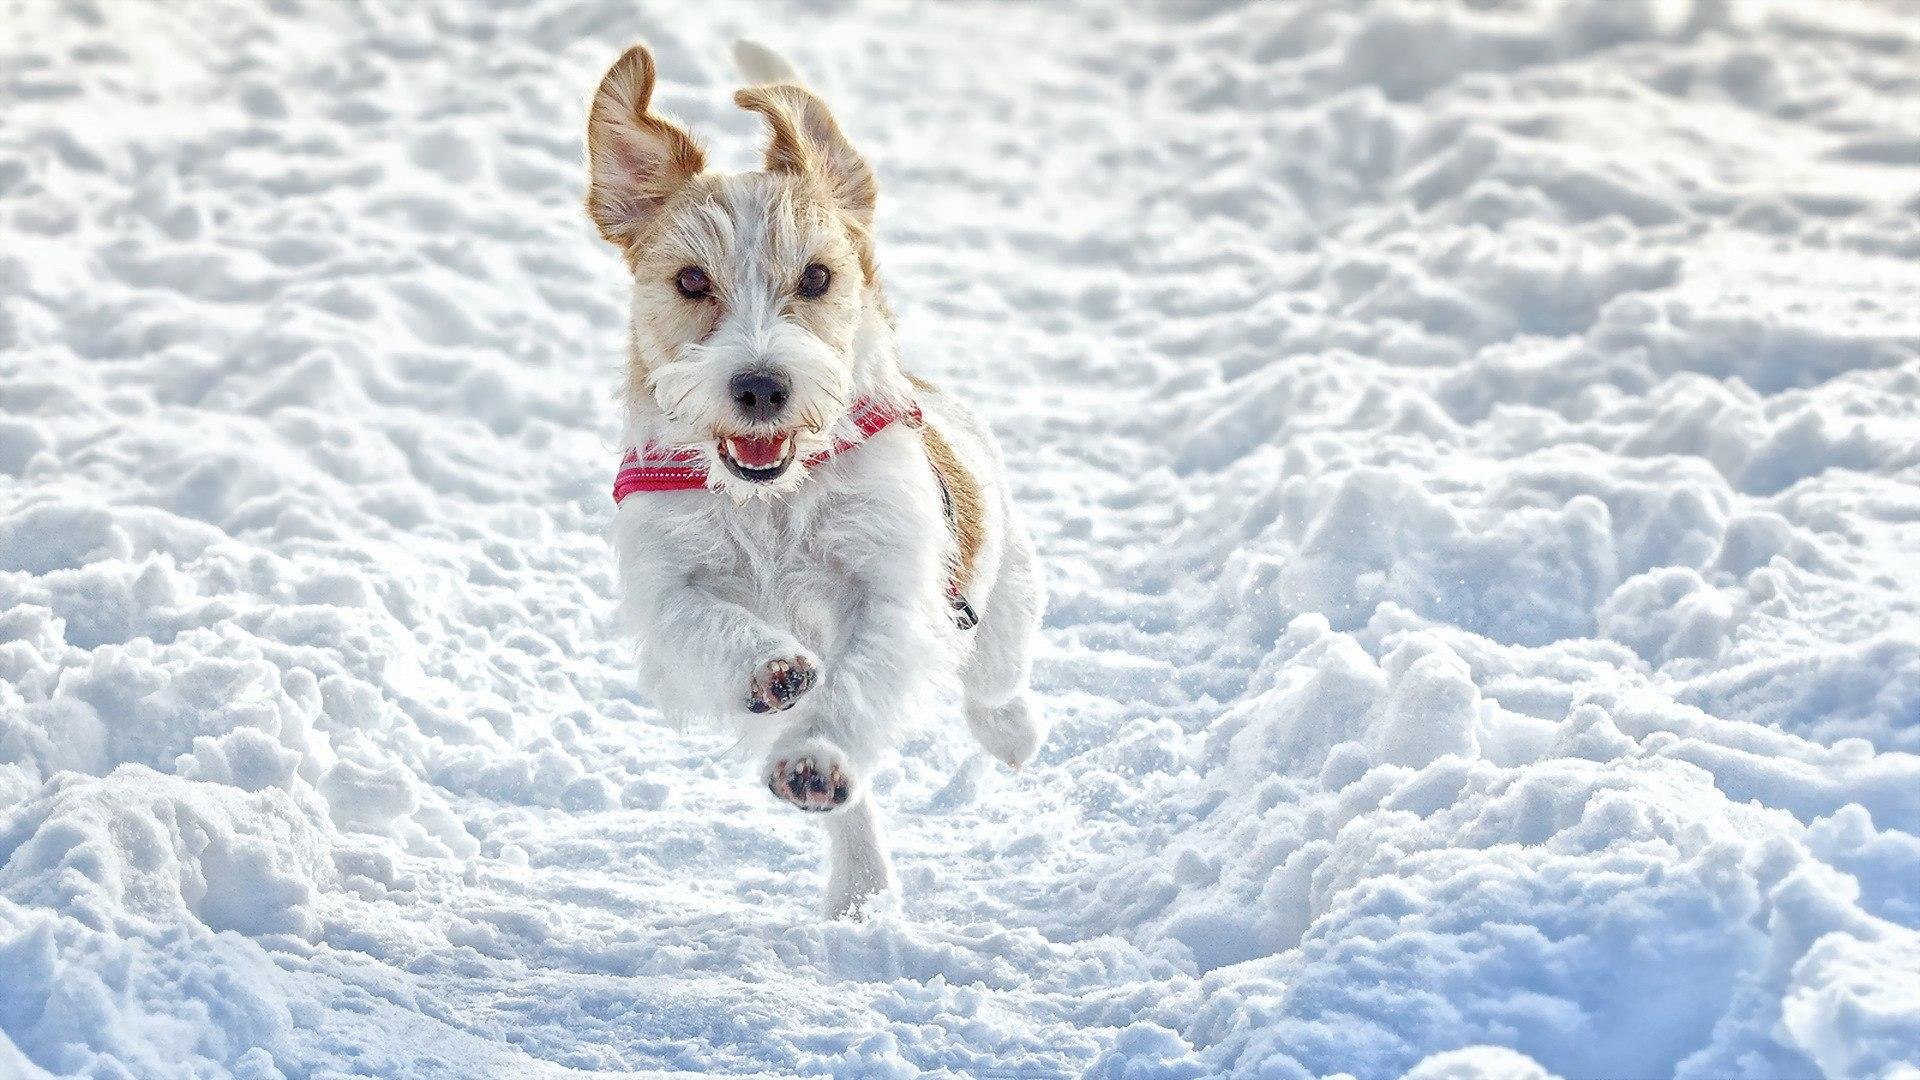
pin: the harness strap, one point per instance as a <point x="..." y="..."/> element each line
<point x="684" y="468"/>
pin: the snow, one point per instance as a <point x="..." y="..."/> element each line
<point x="1473" y="444"/>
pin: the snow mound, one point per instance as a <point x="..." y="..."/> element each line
<point x="1850" y="1004"/>
<point x="1479" y="1063"/>
<point x="138" y="849"/>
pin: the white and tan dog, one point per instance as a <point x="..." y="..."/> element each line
<point x="808" y="537"/>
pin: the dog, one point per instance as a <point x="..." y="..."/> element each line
<point x="808" y="538"/>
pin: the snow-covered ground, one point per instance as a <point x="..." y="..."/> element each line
<point x="1476" y="445"/>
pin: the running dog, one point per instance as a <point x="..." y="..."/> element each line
<point x="808" y="537"/>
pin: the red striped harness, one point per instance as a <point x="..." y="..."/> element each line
<point x="683" y="468"/>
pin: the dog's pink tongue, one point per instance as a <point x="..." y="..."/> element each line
<point x="758" y="453"/>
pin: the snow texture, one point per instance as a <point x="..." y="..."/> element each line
<point x="1475" y="445"/>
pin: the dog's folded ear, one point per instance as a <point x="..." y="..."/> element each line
<point x="636" y="160"/>
<point x="804" y="139"/>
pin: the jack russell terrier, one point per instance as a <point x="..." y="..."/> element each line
<point x="808" y="536"/>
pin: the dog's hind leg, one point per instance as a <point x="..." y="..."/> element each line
<point x="857" y="864"/>
<point x="1000" y="710"/>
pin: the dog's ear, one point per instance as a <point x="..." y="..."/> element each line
<point x="805" y="139"/>
<point x="635" y="159"/>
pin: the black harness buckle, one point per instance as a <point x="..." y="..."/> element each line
<point x="963" y="616"/>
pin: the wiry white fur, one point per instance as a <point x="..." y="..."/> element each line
<point x="844" y="565"/>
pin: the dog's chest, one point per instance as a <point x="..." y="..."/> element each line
<point x="788" y="556"/>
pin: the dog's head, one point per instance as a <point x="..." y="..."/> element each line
<point x="753" y="293"/>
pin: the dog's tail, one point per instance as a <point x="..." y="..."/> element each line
<point x="761" y="65"/>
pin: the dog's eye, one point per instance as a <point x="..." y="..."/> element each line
<point x="814" y="280"/>
<point x="693" y="282"/>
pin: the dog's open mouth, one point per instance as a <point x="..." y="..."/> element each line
<point x="761" y="459"/>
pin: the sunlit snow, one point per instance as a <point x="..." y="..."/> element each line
<point x="1475" y="445"/>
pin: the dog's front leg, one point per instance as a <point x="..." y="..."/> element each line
<point x="810" y="768"/>
<point x="823" y="763"/>
<point x="707" y="655"/>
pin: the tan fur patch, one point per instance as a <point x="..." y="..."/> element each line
<point x="636" y="160"/>
<point x="969" y="510"/>
<point x="804" y="140"/>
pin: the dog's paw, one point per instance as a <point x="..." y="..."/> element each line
<point x="813" y="776"/>
<point x="779" y="683"/>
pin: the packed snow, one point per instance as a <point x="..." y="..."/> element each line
<point x="1475" y="445"/>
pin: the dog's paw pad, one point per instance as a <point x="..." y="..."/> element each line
<point x="779" y="683"/>
<point x="810" y="784"/>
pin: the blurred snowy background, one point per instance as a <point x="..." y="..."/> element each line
<point x="1477" y="445"/>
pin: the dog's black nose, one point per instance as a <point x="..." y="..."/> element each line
<point x="760" y="395"/>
